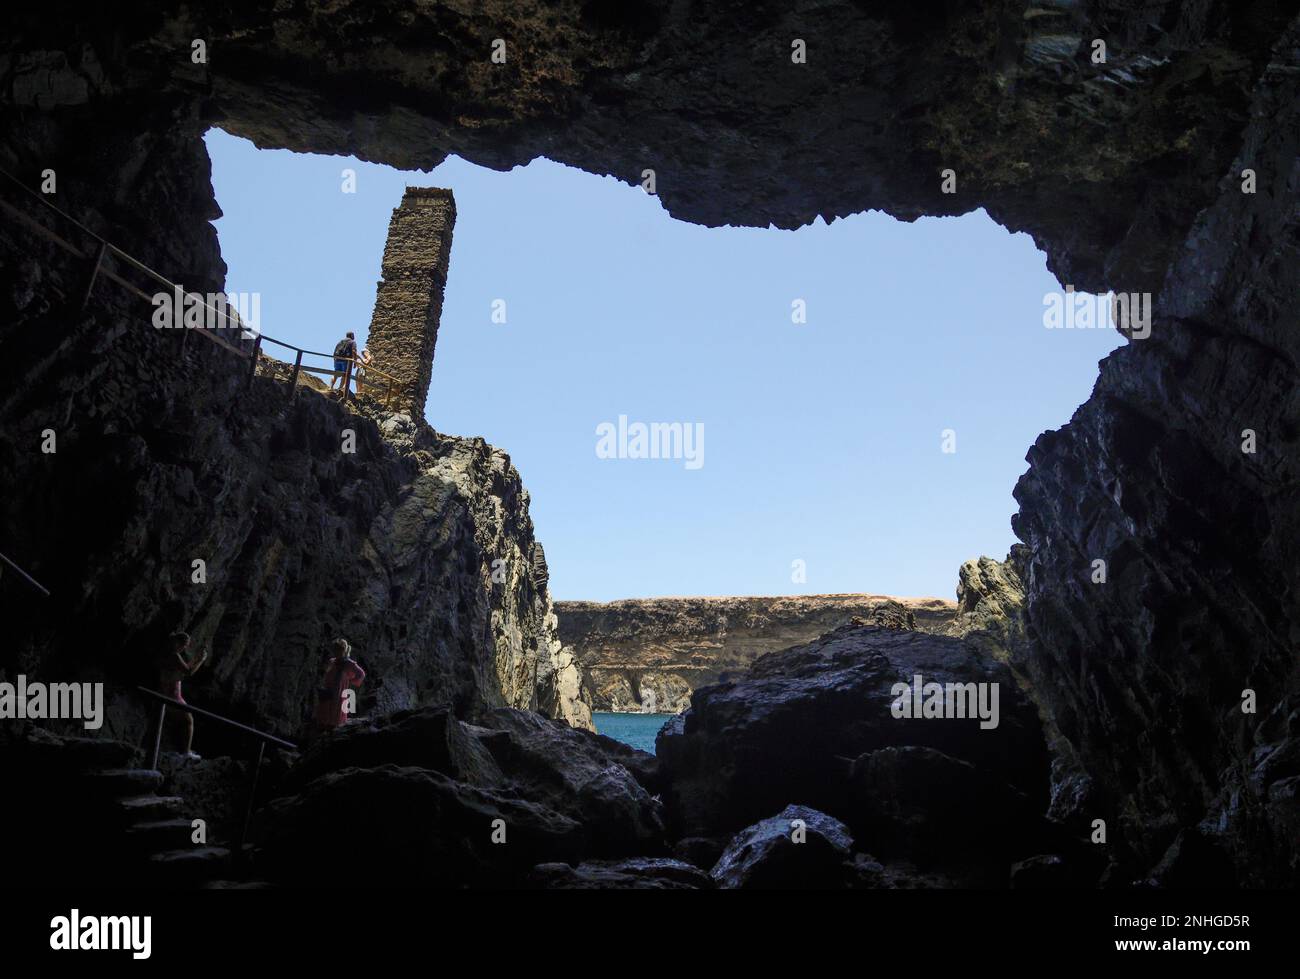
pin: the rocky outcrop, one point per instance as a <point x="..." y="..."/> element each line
<point x="650" y="654"/>
<point x="991" y="605"/>
<point x="180" y="497"/>
<point x="437" y="801"/>
<point x="1161" y="524"/>
<point x="942" y="800"/>
<point x="797" y="849"/>
<point x="792" y="727"/>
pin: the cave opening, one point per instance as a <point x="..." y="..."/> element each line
<point x="1153" y="637"/>
<point x="904" y="366"/>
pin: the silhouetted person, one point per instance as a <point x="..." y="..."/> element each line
<point x="173" y="667"/>
<point x="341" y="672"/>
<point x="345" y="351"/>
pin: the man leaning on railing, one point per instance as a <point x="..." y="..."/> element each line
<point x="345" y="352"/>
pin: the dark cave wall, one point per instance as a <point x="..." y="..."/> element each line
<point x="1145" y="674"/>
<point x="1127" y="175"/>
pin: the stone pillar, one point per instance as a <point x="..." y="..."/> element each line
<point x="408" y="305"/>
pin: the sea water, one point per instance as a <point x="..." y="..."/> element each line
<point x="638" y="730"/>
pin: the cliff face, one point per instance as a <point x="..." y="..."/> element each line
<point x="1182" y="474"/>
<point x="650" y="654"/>
<point x="415" y="546"/>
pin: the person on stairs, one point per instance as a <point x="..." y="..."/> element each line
<point x="173" y="667"/>
<point x="341" y="672"/>
<point x="344" y="351"/>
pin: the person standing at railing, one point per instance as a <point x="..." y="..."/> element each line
<point x="363" y="361"/>
<point x="345" y="351"/>
<point x="341" y="672"/>
<point x="173" y="667"/>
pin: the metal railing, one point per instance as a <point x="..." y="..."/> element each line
<point x="29" y="579"/>
<point x="263" y="739"/>
<point x="103" y="248"/>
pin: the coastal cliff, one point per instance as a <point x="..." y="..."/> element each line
<point x="649" y="655"/>
<point x="181" y="496"/>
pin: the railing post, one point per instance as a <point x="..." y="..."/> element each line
<point x="347" y="379"/>
<point x="252" y="369"/>
<point x="157" y="737"/>
<point x="252" y="799"/>
<point x="293" y="380"/>
<point x="94" y="273"/>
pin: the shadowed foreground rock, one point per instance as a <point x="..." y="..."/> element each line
<point x="416" y="795"/>
<point x="925" y="804"/>
<point x="766" y="856"/>
<point x="650" y="874"/>
<point x="790" y="730"/>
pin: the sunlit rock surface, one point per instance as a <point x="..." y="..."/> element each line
<point x="649" y="654"/>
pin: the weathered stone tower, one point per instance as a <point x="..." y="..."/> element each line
<point x="408" y="305"/>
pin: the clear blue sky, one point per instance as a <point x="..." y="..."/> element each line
<point x="822" y="441"/>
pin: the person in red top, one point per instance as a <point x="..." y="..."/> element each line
<point x="341" y="672"/>
<point x="173" y="667"/>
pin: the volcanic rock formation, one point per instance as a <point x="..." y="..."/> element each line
<point x="425" y="790"/>
<point x="165" y="457"/>
<point x="1167" y="168"/>
<point x="788" y="730"/>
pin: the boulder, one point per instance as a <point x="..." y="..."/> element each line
<point x="410" y="827"/>
<point x="564" y="794"/>
<point x="797" y="849"/>
<point x="792" y="726"/>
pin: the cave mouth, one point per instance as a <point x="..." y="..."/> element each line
<point x="1149" y="153"/>
<point x="904" y="363"/>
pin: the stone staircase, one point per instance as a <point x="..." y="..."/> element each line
<point x="125" y="832"/>
<point x="156" y="834"/>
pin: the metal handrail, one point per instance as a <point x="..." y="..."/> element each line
<point x="190" y="708"/>
<point x="30" y="580"/>
<point x="263" y="739"/>
<point x="106" y="246"/>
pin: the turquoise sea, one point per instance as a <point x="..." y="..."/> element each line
<point x="638" y="730"/>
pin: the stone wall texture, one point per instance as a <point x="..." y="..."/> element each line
<point x="408" y="303"/>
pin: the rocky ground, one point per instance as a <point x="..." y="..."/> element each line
<point x="795" y="774"/>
